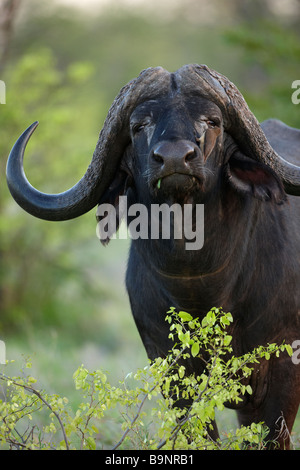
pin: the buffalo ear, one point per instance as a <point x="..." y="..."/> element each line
<point x="251" y="177"/>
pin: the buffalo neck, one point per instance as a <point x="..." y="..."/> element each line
<point x="216" y="274"/>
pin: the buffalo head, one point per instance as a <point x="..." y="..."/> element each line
<point x="178" y="130"/>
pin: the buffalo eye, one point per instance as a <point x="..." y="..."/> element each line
<point x="211" y="124"/>
<point x="138" y="128"/>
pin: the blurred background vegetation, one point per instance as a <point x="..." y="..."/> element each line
<point x="62" y="295"/>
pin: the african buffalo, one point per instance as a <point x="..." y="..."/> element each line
<point x="189" y="138"/>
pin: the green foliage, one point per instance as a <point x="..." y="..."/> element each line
<point x="271" y="60"/>
<point x="39" y="90"/>
<point x="34" y="419"/>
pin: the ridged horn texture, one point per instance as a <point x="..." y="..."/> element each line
<point x="113" y="138"/>
<point x="152" y="83"/>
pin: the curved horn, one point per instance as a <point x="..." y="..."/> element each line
<point x="62" y="206"/>
<point x="113" y="138"/>
<point x="241" y="124"/>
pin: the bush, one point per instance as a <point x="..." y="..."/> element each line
<point x="34" y="419"/>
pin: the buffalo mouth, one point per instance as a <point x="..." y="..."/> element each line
<point x="177" y="185"/>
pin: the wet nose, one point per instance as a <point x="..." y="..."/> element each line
<point x="176" y="154"/>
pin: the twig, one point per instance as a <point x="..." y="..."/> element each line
<point x="38" y="394"/>
<point x="145" y="398"/>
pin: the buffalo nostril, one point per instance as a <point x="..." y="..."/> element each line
<point x="174" y="153"/>
<point x="191" y="155"/>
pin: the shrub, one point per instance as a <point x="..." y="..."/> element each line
<point x="33" y="419"/>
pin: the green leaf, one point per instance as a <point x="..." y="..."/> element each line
<point x="289" y="349"/>
<point x="90" y="443"/>
<point x="195" y="349"/>
<point x="211" y="317"/>
<point x="185" y="316"/>
<point x="227" y="340"/>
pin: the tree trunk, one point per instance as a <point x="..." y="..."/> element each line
<point x="8" y="11"/>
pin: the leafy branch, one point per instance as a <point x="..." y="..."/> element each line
<point x="222" y="378"/>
